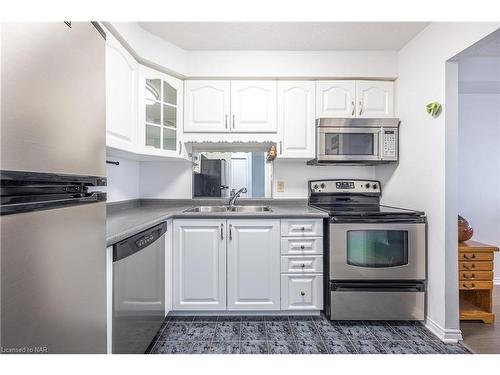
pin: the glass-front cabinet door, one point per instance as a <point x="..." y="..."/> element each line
<point x="160" y="113"/>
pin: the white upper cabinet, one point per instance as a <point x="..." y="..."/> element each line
<point x="375" y="99"/>
<point x="335" y="98"/>
<point x="199" y="264"/>
<point x="230" y="106"/>
<point x="253" y="264"/>
<point x="160" y="113"/>
<point x="296" y="116"/>
<point x="253" y="106"/>
<point x="349" y="98"/>
<point x="207" y="106"/>
<point x="121" y="96"/>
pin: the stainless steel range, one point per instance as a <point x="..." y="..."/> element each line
<point x="377" y="254"/>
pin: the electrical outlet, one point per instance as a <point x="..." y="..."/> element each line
<point x="280" y="186"/>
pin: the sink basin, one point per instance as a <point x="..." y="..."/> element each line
<point x="229" y="209"/>
<point x="207" y="209"/>
<point x="249" y="209"/>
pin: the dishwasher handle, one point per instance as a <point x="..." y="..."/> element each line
<point x="136" y="243"/>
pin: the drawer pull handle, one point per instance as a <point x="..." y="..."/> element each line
<point x="302" y="265"/>
<point x="469" y="287"/>
<point x="472" y="276"/>
<point x="302" y="294"/>
<point x="471" y="257"/>
<point x="303" y="228"/>
<point x="302" y="247"/>
<point x="472" y="266"/>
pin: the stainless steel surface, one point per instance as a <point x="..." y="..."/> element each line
<point x="207" y="209"/>
<point x="53" y="280"/>
<point x="384" y="131"/>
<point x="236" y="194"/>
<point x="340" y="186"/>
<point x="366" y="305"/>
<point x="53" y="102"/>
<point x="358" y="122"/>
<point x="212" y="209"/>
<point x="138" y="297"/>
<point x="341" y="270"/>
<point x="249" y="209"/>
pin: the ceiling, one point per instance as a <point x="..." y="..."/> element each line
<point x="312" y="36"/>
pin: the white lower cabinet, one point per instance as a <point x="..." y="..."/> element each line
<point x="199" y="264"/>
<point x="302" y="292"/>
<point x="245" y="265"/>
<point x="253" y="264"/>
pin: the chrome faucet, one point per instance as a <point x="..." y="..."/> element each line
<point x="236" y="194"/>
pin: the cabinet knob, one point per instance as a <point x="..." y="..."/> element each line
<point x="302" y="247"/>
<point x="303" y="228"/>
<point x="302" y="265"/>
<point x="302" y="294"/>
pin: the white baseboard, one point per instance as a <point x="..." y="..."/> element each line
<point x="445" y="335"/>
<point x="496" y="280"/>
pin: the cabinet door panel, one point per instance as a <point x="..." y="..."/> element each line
<point x="199" y="265"/>
<point x="253" y="268"/>
<point x="253" y="106"/>
<point x="335" y="98"/>
<point x="375" y="99"/>
<point x="207" y="106"/>
<point x="301" y="292"/>
<point x="296" y="115"/>
<point x="121" y="96"/>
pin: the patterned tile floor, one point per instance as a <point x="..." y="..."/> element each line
<point x="294" y="335"/>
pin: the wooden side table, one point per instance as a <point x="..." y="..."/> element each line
<point x="475" y="275"/>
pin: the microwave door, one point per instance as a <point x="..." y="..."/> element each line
<point x="353" y="144"/>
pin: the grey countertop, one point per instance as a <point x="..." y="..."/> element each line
<point x="124" y="219"/>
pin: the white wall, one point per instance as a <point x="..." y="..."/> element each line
<point x="337" y="64"/>
<point x="479" y="148"/>
<point x="123" y="180"/>
<point x="295" y="174"/>
<point x="426" y="176"/>
<point x="166" y="180"/>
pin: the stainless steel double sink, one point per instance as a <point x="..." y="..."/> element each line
<point x="215" y="209"/>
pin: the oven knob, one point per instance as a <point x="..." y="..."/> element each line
<point x="367" y="186"/>
<point x="315" y="187"/>
<point x="374" y="186"/>
<point x="323" y="186"/>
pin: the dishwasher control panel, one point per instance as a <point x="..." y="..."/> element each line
<point x="138" y="242"/>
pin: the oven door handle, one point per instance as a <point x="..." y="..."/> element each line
<point x="377" y="287"/>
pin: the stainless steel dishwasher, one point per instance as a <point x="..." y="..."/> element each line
<point x="138" y="290"/>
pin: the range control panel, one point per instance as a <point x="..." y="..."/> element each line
<point x="344" y="186"/>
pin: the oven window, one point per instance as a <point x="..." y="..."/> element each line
<point x="349" y="144"/>
<point x="377" y="248"/>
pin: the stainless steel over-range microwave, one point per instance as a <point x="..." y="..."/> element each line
<point x="370" y="140"/>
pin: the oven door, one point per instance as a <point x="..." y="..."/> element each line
<point x="348" y="144"/>
<point x="385" y="251"/>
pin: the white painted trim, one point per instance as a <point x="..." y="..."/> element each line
<point x="496" y="280"/>
<point x="109" y="299"/>
<point x="445" y="335"/>
<point x="246" y="312"/>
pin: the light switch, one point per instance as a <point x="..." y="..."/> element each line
<point x="280" y="186"/>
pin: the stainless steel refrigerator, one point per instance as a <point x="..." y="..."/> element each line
<point x="53" y="216"/>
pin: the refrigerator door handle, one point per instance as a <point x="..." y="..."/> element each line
<point x="31" y="203"/>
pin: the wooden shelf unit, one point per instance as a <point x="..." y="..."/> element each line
<point x="475" y="274"/>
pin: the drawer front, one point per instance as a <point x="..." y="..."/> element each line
<point x="302" y="227"/>
<point x="301" y="246"/>
<point x="472" y="257"/>
<point x="475" y="266"/>
<point x="476" y="275"/>
<point x="472" y="285"/>
<point x="301" y="292"/>
<point x="302" y="264"/>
